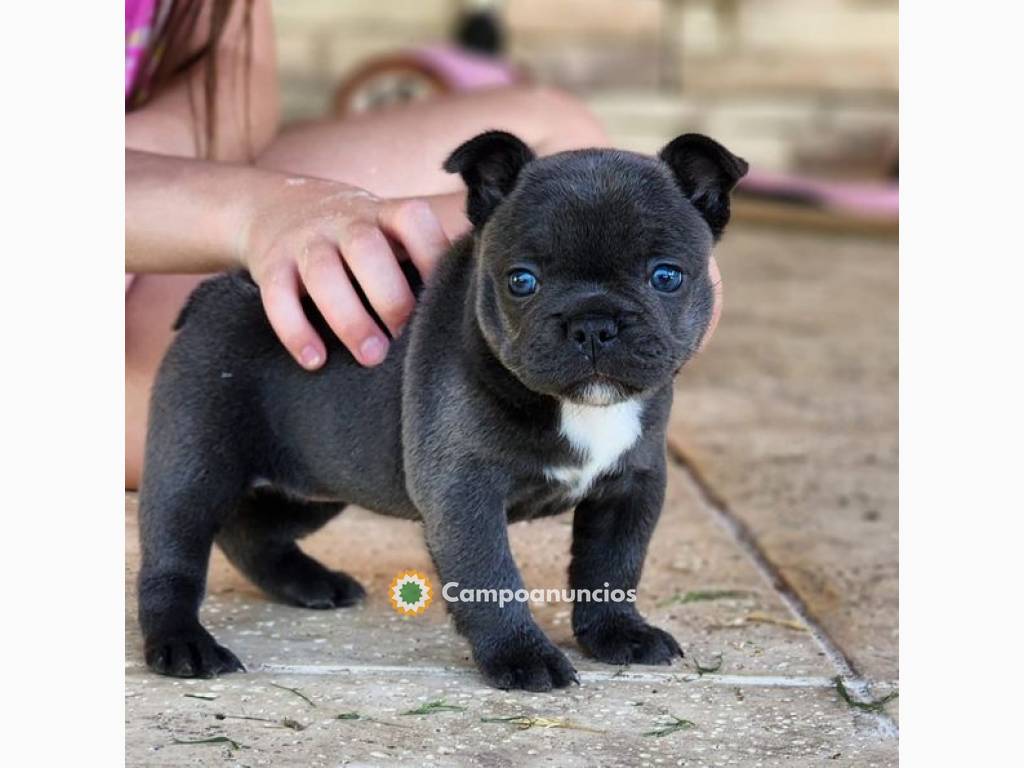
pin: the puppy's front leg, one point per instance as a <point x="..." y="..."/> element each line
<point x="611" y="531"/>
<point x="467" y="533"/>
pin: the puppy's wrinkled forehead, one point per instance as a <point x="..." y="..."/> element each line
<point x="593" y="212"/>
<point x="597" y="200"/>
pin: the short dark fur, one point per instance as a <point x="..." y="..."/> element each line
<point x="458" y="424"/>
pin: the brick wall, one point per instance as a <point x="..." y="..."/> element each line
<point x="788" y="81"/>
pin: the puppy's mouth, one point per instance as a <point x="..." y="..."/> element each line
<point x="599" y="390"/>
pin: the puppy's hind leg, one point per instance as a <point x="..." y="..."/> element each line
<point x="259" y="539"/>
<point x="180" y="508"/>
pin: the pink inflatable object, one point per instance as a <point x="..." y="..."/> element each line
<point x="864" y="198"/>
<point x="463" y="70"/>
<point x="416" y="73"/>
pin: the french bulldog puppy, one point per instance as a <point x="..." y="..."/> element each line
<point x="535" y="377"/>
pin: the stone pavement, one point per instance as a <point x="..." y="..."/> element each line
<point x="774" y="565"/>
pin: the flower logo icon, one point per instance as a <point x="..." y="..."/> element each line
<point x="410" y="593"/>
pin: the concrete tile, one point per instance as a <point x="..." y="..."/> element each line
<point x="732" y="725"/>
<point x="791" y="415"/>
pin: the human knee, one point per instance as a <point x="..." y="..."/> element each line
<point x="551" y="120"/>
<point x="568" y="121"/>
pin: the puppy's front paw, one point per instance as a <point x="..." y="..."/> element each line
<point x="189" y="652"/>
<point x="529" y="661"/>
<point x="627" y="639"/>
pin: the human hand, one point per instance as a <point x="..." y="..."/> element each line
<point x="303" y="237"/>
<point x="716" y="312"/>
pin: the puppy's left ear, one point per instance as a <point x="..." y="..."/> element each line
<point x="489" y="164"/>
<point x="706" y="172"/>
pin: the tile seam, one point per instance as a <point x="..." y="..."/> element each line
<point x="856" y="684"/>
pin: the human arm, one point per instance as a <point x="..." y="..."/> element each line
<point x="293" y="234"/>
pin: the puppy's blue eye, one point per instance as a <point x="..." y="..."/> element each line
<point x="666" y="278"/>
<point x="522" y="282"/>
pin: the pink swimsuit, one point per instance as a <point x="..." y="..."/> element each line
<point x="139" y="22"/>
<point x="141" y="19"/>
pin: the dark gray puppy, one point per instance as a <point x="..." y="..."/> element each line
<point x="536" y="376"/>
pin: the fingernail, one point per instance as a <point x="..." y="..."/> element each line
<point x="373" y="350"/>
<point x="310" y="357"/>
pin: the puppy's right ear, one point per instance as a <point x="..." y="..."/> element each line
<point x="489" y="164"/>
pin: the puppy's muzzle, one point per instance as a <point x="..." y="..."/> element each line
<point x="592" y="334"/>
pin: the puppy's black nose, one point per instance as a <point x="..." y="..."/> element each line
<point x="591" y="333"/>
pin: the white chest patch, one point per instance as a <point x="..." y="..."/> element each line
<point x="601" y="434"/>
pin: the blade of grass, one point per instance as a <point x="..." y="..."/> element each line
<point x="433" y="707"/>
<point x="212" y="740"/>
<point x="297" y="692"/>
<point x="522" y="722"/>
<point x="677" y="724"/>
<point x="704" y="595"/>
<point x="763" y="618"/>
<point x="878" y="705"/>
<point x="287" y="722"/>
<point x="365" y="718"/>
